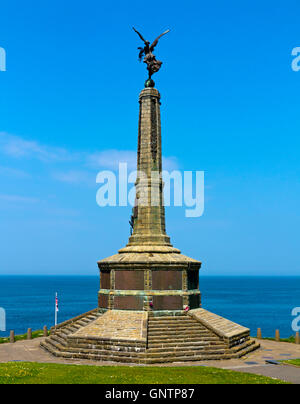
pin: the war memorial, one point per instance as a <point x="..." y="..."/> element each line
<point x="149" y="303"/>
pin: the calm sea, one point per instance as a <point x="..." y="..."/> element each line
<point x="254" y="302"/>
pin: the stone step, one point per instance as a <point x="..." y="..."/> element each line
<point x="183" y="344"/>
<point x="174" y="355"/>
<point x="179" y="337"/>
<point x="99" y="352"/>
<point x="187" y="352"/>
<point x="76" y="324"/>
<point x="51" y="343"/>
<point x="188" y="348"/>
<point x="62" y="333"/>
<point x="92" y="317"/>
<point x="105" y="342"/>
<point x="166" y="318"/>
<point x="170" y="323"/>
<point x="185" y="339"/>
<point x="179" y="334"/>
<point x="94" y="357"/>
<point x="71" y="328"/>
<point x="52" y="349"/>
<point x="178" y="328"/>
<point x="250" y="347"/>
<point x="107" y="347"/>
<point x="58" y="339"/>
<point x="183" y="322"/>
<point x="82" y="322"/>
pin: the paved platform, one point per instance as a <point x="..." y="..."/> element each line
<point x="119" y="325"/>
<point x="255" y="362"/>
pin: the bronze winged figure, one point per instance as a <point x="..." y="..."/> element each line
<point x="153" y="65"/>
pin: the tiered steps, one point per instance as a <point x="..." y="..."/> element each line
<point x="182" y="339"/>
<point x="57" y="343"/>
<point x="170" y="339"/>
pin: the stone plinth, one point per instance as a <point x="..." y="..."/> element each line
<point x="149" y="281"/>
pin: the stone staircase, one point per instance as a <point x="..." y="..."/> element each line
<point x="169" y="339"/>
<point x="57" y="343"/>
<point x="183" y="339"/>
<point x="63" y="343"/>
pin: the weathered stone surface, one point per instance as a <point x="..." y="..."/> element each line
<point x="226" y="329"/>
<point x="116" y="325"/>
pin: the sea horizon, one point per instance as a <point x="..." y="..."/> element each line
<point x="254" y="301"/>
<point x="201" y="275"/>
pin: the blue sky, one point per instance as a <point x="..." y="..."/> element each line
<point x="230" y="107"/>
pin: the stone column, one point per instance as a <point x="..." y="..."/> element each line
<point x="149" y="214"/>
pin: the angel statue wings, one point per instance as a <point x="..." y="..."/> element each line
<point x="153" y="65"/>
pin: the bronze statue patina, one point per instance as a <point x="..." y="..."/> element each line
<point x="153" y="65"/>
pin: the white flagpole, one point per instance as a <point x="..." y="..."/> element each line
<point x="55" y="309"/>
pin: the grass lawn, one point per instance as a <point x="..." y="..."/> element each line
<point x="295" y="362"/>
<point x="42" y="373"/>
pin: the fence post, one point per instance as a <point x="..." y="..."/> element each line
<point x="277" y="336"/>
<point x="12" y="337"/>
<point x="45" y="331"/>
<point x="259" y="333"/>
<point x="29" y="333"/>
<point x="297" y="339"/>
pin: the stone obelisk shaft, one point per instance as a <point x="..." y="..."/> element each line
<point x="149" y="214"/>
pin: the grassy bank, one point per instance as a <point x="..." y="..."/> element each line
<point x="39" y="373"/>
<point x="35" y="334"/>
<point x="291" y="339"/>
